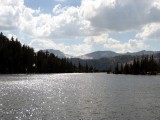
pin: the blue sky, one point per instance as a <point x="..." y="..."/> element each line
<point x="78" y="27"/>
<point x="47" y="5"/>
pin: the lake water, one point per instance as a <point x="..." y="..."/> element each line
<point x="79" y="97"/>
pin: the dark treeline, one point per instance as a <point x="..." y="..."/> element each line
<point x="18" y="58"/>
<point x="143" y="65"/>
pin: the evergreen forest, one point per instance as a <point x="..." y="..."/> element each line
<point x="17" y="58"/>
<point x="140" y="65"/>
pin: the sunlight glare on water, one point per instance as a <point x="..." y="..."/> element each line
<point x="79" y="96"/>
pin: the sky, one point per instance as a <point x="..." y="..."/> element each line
<point x="77" y="27"/>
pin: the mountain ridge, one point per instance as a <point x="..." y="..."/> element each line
<point x="106" y="60"/>
<point x="99" y="54"/>
<point x="109" y="54"/>
<point x="57" y="53"/>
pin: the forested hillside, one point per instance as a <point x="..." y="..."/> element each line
<point x="18" y="58"/>
<point x="140" y="65"/>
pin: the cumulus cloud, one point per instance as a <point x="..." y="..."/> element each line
<point x="39" y="44"/>
<point x="67" y="23"/>
<point x="107" y="42"/>
<point x="36" y="26"/>
<point x="130" y="46"/>
<point x="74" y="49"/>
<point x="58" y="9"/>
<point x="150" y="31"/>
<point x="120" y="15"/>
<point x="102" y="39"/>
<point x="92" y="21"/>
<point x="40" y="27"/>
<point x="92" y="17"/>
<point x="9" y="14"/>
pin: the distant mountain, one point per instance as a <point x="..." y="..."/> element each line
<point x="143" y="52"/>
<point x="99" y="55"/>
<point x="104" y="60"/>
<point x="103" y="64"/>
<point x="58" y="53"/>
<point x="106" y="63"/>
<point x="110" y="54"/>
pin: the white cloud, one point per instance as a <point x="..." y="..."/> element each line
<point x="67" y="23"/>
<point x="12" y="2"/>
<point x="9" y="14"/>
<point x="40" y="44"/>
<point x="156" y="4"/>
<point x="58" y="9"/>
<point x="106" y="42"/>
<point x="88" y="45"/>
<point x="92" y="17"/>
<point x="37" y="26"/>
<point x="75" y="50"/>
<point x="130" y="46"/>
<point x="100" y="39"/>
<point x="79" y="49"/>
<point x="150" y="31"/>
<point x="94" y="20"/>
<point x="120" y="15"/>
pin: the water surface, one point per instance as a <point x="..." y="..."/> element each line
<point x="79" y="97"/>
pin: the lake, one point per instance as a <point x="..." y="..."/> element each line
<point x="96" y="96"/>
